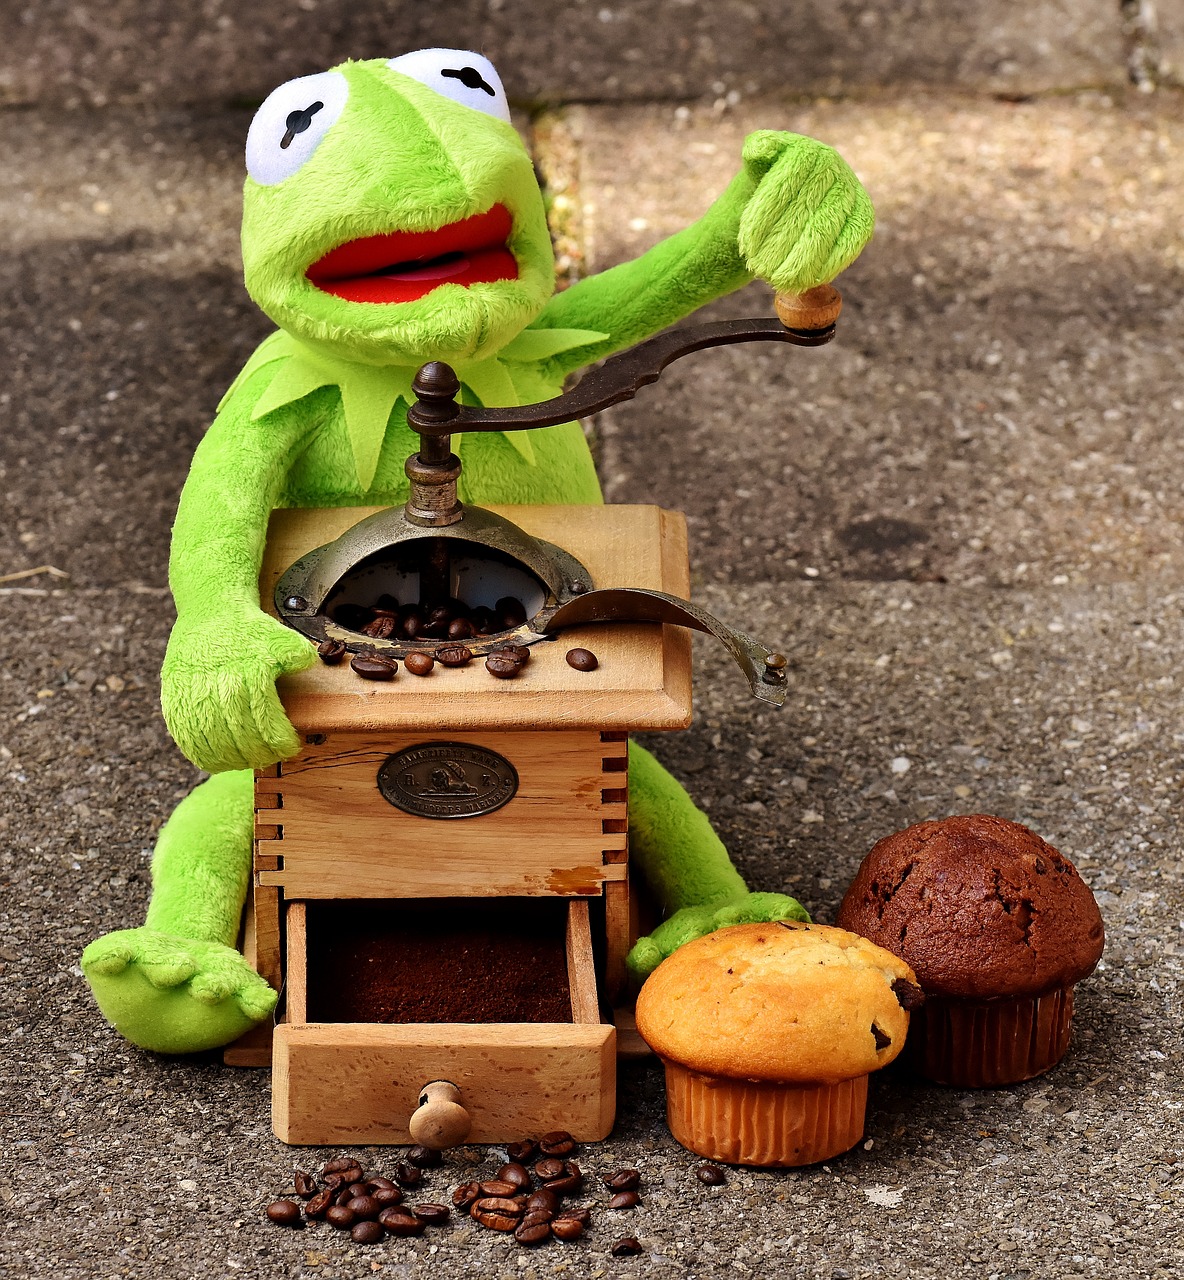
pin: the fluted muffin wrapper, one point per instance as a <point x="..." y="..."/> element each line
<point x="981" y="1044"/>
<point x="748" y="1122"/>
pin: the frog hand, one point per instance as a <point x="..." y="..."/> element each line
<point x="809" y="216"/>
<point x="694" y="922"/>
<point x="174" y="995"/>
<point x="218" y="689"/>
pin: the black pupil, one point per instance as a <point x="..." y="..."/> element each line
<point x="470" y="77"/>
<point x="297" y="122"/>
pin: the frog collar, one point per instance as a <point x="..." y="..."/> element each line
<point x="368" y="392"/>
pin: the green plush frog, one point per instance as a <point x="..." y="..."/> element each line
<point x="391" y="216"/>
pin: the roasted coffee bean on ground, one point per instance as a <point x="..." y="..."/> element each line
<point x="285" y="1213"/>
<point x="711" y="1175"/>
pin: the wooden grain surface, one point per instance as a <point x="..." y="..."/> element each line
<point x="643" y="680"/>
<point x="359" y="1083"/>
<point x="549" y="839"/>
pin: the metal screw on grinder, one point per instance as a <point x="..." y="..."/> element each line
<point x="775" y="669"/>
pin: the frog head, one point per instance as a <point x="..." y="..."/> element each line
<point x="391" y="214"/>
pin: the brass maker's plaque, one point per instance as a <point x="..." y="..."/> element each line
<point x="447" y="780"/>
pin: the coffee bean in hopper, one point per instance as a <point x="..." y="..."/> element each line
<point x="511" y="612"/>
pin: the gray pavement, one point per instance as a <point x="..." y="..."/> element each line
<point x="962" y="520"/>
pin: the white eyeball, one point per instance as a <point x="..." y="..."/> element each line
<point x="465" y="77"/>
<point x="291" y="122"/>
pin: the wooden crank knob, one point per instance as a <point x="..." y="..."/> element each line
<point x="817" y="308"/>
<point x="440" y="1121"/>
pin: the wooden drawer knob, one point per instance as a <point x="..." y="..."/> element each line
<point x="440" y="1120"/>
<point x="817" y="308"/>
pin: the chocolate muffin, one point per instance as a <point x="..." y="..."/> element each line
<point x="997" y="925"/>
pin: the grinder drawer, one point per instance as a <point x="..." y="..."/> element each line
<point x="497" y="996"/>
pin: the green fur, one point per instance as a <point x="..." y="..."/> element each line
<point x="318" y="418"/>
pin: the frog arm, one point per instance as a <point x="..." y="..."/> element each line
<point x="224" y="654"/>
<point x="795" y="215"/>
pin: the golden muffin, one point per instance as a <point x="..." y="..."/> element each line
<point x="768" y="1033"/>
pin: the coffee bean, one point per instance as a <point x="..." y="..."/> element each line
<point x="460" y="629"/>
<point x="371" y="667"/>
<point x="571" y="1179"/>
<point x="365" y="1207"/>
<point x="366" y="1233"/>
<point x="357" y="1188"/>
<point x="340" y="1165"/>
<point x="542" y="1200"/>
<point x="343" y="1195"/>
<point x="435" y="1215"/>
<point x="624" y="1200"/>
<point x="496" y="1187"/>
<point x="519" y="652"/>
<point x="465" y="1194"/>
<point x="401" y="1222"/>
<point x="386" y="604"/>
<point x="305" y="1184"/>
<point x="626" y="1247"/>
<point x="381" y="628"/>
<point x="497" y="1213"/>
<point x="548" y="1168"/>
<point x="387" y="1196"/>
<point x="411" y="623"/>
<point x="522" y="1152"/>
<point x="511" y="612"/>
<point x="285" y="1212"/>
<point x="711" y="1175"/>
<point x="583" y="1216"/>
<point x="378" y="1184"/>
<point x="582" y="659"/>
<point x="533" y="1233"/>
<point x="419" y="663"/>
<point x="340" y="1216"/>
<point x="331" y="652"/>
<point x="420" y="1156"/>
<point x="567" y="1228"/>
<point x="515" y="1174"/>
<point x="531" y="1216"/>
<point x="503" y="665"/>
<point x="558" y="1143"/>
<point x="316" y="1207"/>
<point x="485" y="621"/>
<point x="623" y="1180"/>
<point x="454" y="655"/>
<point x="408" y="1175"/>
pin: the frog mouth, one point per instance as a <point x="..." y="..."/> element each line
<point x="400" y="266"/>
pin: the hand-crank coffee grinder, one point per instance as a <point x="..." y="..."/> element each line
<point x="441" y="882"/>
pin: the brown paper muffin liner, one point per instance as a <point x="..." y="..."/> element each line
<point x="980" y="1044"/>
<point x="743" y="1122"/>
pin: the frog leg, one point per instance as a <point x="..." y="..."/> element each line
<point x="686" y="867"/>
<point x="177" y="985"/>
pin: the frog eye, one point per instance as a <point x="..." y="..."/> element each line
<point x="291" y="122"/>
<point x="465" y="77"/>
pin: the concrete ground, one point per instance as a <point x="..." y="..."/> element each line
<point x="962" y="520"/>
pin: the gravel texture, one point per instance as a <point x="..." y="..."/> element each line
<point x="104" y="51"/>
<point x="962" y="524"/>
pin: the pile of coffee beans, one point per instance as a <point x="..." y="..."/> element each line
<point x="527" y="1197"/>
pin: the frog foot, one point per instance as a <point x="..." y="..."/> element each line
<point x="172" y="994"/>
<point x="694" y="922"/>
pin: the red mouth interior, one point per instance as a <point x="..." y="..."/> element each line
<point x="400" y="266"/>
